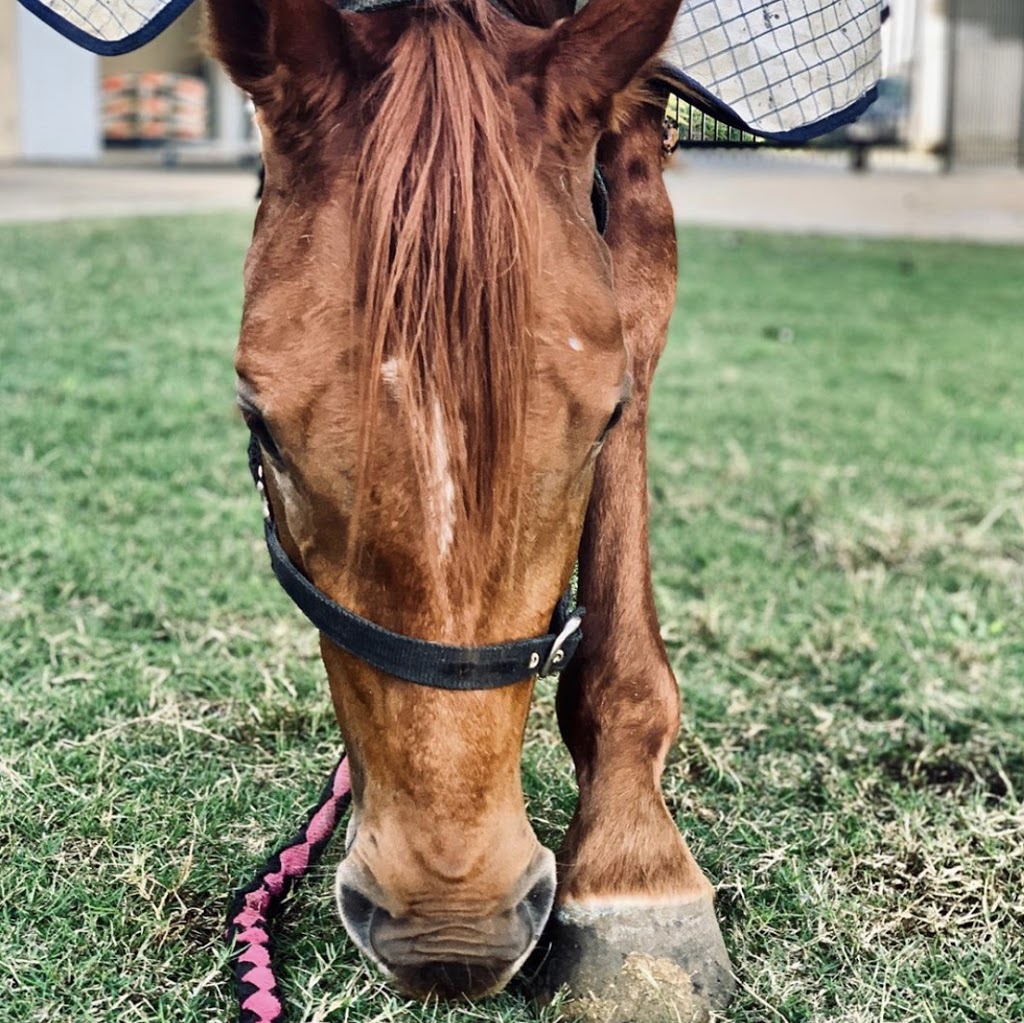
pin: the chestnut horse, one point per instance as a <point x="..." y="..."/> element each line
<point x="435" y="348"/>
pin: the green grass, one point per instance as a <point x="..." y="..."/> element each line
<point x="838" y="529"/>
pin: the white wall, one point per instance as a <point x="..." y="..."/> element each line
<point x="929" y="88"/>
<point x="9" y="143"/>
<point x="58" y="94"/>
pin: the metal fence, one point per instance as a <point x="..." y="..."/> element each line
<point x="688" y="127"/>
<point x="985" y="104"/>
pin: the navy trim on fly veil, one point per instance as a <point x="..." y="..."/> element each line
<point x="697" y="96"/>
<point x="108" y="28"/>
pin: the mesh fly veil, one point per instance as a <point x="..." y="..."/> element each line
<point x="782" y="69"/>
<point x="108" y="27"/>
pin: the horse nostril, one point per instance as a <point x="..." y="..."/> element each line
<point x="536" y="906"/>
<point x="357" y="913"/>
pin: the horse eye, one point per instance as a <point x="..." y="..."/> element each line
<point x="258" y="428"/>
<point x="614" y="421"/>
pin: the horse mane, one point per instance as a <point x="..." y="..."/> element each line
<point x="445" y="266"/>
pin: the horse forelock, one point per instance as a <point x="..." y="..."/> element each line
<point x="445" y="272"/>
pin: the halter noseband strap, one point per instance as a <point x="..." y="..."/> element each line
<point x="438" y="665"/>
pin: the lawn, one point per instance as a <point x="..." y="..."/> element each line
<point x="838" y="529"/>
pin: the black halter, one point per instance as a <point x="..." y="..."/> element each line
<point x="437" y="665"/>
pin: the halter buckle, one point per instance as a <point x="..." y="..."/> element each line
<point x="557" y="655"/>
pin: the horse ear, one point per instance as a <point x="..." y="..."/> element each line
<point x="254" y="39"/>
<point x="597" y="53"/>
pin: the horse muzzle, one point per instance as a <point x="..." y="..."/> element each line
<point x="435" y="950"/>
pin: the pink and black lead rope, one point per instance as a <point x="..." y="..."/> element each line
<point x="248" y="929"/>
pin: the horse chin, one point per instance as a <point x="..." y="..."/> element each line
<point x="446" y="980"/>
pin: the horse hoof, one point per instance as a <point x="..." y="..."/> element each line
<point x="636" y="964"/>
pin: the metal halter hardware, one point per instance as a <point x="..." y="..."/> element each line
<point x="437" y="665"/>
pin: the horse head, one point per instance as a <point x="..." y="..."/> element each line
<point x="430" y="356"/>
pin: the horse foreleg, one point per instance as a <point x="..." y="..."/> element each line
<point x="634" y="934"/>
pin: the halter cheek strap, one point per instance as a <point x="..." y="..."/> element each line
<point x="437" y="665"/>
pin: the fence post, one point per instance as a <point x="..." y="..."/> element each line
<point x="952" y="18"/>
<point x="1020" y="126"/>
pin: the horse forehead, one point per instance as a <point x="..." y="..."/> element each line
<point x="299" y="323"/>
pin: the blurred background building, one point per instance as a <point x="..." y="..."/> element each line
<point x="61" y="103"/>
<point x="957" y="67"/>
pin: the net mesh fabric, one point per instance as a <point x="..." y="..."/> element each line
<point x="773" y="66"/>
<point x="107" y="20"/>
<point x="778" y="65"/>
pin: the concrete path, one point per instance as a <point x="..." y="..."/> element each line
<point x="59" y="193"/>
<point x="778" y="192"/>
<point x="822" y="196"/>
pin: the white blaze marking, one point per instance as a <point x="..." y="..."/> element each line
<point x="288" y="494"/>
<point x="442" y="487"/>
<point x="576" y="344"/>
<point x="389" y="372"/>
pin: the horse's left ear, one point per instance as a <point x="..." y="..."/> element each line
<point x="597" y="53"/>
<point x="256" y="39"/>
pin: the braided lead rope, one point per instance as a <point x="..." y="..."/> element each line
<point x="248" y="929"/>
